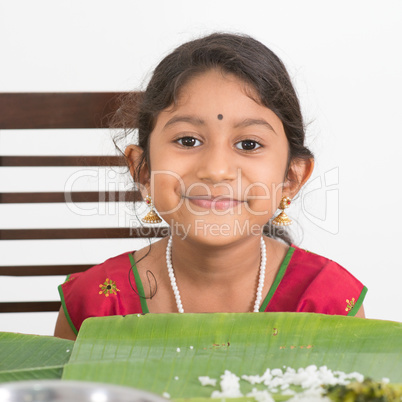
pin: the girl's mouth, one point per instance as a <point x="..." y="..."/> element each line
<point x="217" y="203"/>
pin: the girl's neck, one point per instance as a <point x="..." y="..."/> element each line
<point x="210" y="278"/>
<point x="214" y="265"/>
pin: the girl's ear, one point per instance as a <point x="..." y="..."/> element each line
<point x="299" y="172"/>
<point x="133" y="154"/>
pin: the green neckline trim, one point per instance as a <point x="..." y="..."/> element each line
<point x="278" y="278"/>
<point x="140" y="288"/>
<point x="277" y="281"/>
<point x="63" y="303"/>
<point x="358" y="304"/>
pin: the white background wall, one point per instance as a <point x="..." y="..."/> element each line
<point x="346" y="62"/>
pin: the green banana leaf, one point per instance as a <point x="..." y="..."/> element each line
<point x="29" y="357"/>
<point x="168" y="352"/>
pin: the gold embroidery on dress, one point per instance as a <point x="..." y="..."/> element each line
<point x="108" y="287"/>
<point x="350" y="304"/>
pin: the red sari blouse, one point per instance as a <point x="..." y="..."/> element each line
<point x="306" y="282"/>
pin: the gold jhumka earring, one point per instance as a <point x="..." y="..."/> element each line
<point x="151" y="216"/>
<point x="282" y="219"/>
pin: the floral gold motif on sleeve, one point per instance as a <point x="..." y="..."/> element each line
<point x="108" y="287"/>
<point x="350" y="304"/>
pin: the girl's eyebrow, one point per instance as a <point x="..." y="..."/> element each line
<point x="252" y="122"/>
<point x="196" y="121"/>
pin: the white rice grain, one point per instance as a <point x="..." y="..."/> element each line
<point x="260" y="396"/>
<point x="205" y="380"/>
<point x="230" y="386"/>
<point x="310" y="379"/>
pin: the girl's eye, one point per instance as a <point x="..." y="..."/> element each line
<point x="248" y="145"/>
<point x="189" y="142"/>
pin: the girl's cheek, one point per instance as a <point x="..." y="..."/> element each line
<point x="263" y="198"/>
<point x="166" y="191"/>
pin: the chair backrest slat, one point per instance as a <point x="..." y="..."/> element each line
<point x="39" y="161"/>
<point x="29" y="307"/>
<point x="56" y="110"/>
<point x="85" y="233"/>
<point x="42" y="270"/>
<point x="76" y="197"/>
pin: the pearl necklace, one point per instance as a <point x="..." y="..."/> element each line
<point x="175" y="289"/>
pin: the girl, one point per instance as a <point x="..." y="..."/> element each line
<point x="221" y="147"/>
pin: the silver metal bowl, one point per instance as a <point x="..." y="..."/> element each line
<point x="72" y="391"/>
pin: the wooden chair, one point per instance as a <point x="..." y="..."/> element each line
<point x="49" y="111"/>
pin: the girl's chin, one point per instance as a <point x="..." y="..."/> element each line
<point x="204" y="231"/>
<point x="209" y="241"/>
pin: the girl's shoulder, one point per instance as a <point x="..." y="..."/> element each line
<point x="309" y="282"/>
<point x="114" y="266"/>
<point x="316" y="266"/>
<point x="106" y="289"/>
<point x="310" y="260"/>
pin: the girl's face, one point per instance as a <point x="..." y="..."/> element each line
<point x="218" y="161"/>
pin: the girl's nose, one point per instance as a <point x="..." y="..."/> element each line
<point x="216" y="165"/>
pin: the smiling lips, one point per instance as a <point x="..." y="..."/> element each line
<point x="218" y="203"/>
